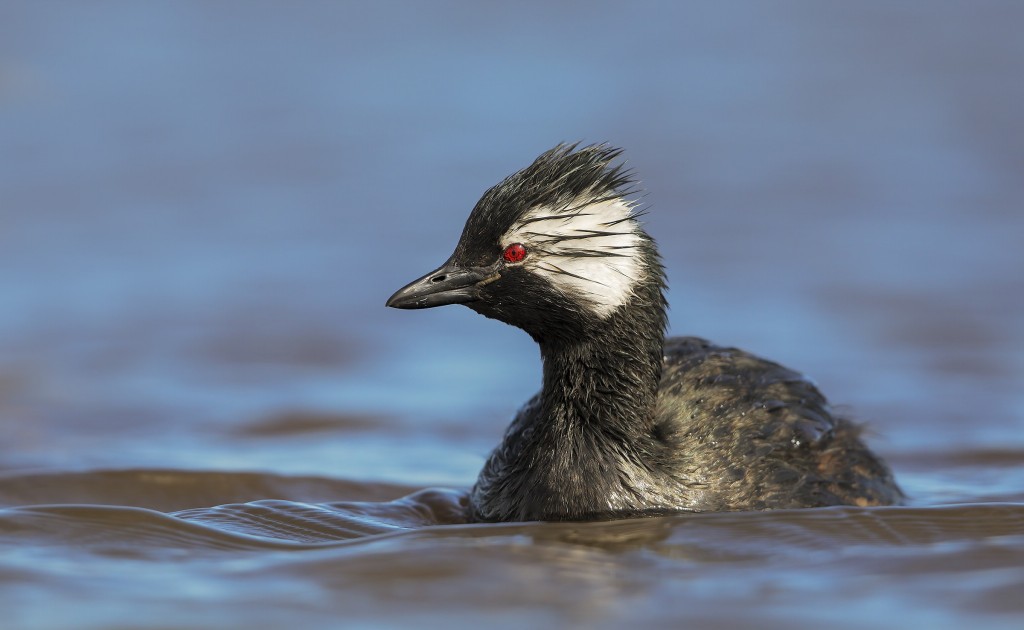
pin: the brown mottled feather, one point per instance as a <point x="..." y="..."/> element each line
<point x="755" y="435"/>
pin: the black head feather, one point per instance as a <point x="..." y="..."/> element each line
<point x="564" y="207"/>
<point x="556" y="179"/>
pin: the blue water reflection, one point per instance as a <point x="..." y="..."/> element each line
<point x="204" y="208"/>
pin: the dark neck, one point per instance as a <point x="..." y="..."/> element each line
<point x="606" y="382"/>
<point x="574" y="451"/>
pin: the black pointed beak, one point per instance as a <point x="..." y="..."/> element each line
<point x="447" y="285"/>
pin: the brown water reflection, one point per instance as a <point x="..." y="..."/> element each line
<point x="344" y="559"/>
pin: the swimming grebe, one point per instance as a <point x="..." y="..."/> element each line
<point x="627" y="422"/>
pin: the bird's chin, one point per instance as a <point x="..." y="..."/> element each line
<point x="544" y="325"/>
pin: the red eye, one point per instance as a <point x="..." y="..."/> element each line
<point x="514" y="253"/>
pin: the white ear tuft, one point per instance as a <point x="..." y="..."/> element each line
<point x="587" y="248"/>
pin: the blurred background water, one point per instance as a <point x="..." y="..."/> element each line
<point x="203" y="207"/>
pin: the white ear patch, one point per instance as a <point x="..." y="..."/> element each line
<point x="586" y="249"/>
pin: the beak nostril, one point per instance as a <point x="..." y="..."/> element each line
<point x="439" y="278"/>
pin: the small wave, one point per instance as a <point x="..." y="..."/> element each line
<point x="311" y="523"/>
<point x="435" y="514"/>
<point x="168" y="490"/>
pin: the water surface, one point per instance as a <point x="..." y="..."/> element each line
<point x="208" y="419"/>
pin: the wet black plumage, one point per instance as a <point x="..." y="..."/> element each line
<point x="627" y="422"/>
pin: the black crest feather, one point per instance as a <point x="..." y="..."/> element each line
<point x="559" y="179"/>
